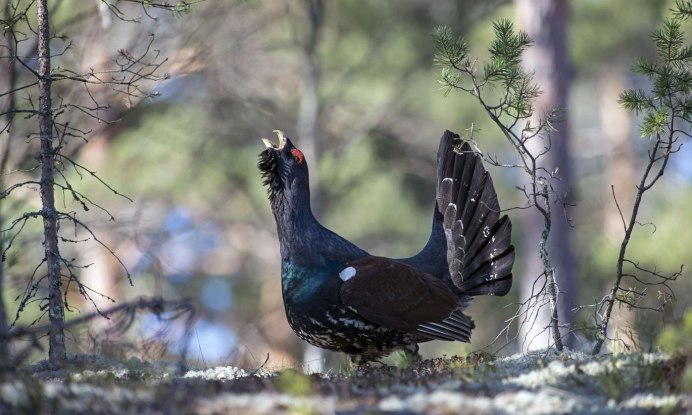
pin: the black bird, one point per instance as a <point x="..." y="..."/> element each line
<point x="339" y="297"/>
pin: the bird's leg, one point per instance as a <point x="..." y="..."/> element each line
<point x="355" y="359"/>
<point x="364" y="362"/>
<point x="363" y="359"/>
<point x="411" y="351"/>
<point x="359" y="363"/>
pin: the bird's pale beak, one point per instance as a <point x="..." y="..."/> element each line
<point x="282" y="140"/>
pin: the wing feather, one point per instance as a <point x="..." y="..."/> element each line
<point x="395" y="295"/>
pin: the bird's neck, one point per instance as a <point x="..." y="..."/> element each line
<point x="303" y="240"/>
<point x="296" y="225"/>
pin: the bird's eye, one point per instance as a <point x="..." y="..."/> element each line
<point x="298" y="156"/>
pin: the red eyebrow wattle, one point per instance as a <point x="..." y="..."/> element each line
<point x="298" y="155"/>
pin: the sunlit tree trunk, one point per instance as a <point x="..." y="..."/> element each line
<point x="308" y="128"/>
<point x="308" y="110"/>
<point x="546" y="23"/>
<point x="621" y="181"/>
<point x="619" y="163"/>
<point x="56" y="313"/>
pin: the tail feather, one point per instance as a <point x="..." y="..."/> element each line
<point x="457" y="326"/>
<point x="479" y="250"/>
<point x="478" y="220"/>
<point x="487" y="249"/>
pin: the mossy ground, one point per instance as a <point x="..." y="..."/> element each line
<point x="539" y="382"/>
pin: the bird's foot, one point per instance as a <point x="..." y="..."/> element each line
<point x="411" y="353"/>
<point x="413" y="350"/>
<point x="363" y="363"/>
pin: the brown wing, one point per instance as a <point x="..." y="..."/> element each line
<point x="395" y="295"/>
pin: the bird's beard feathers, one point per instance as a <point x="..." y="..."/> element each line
<point x="273" y="176"/>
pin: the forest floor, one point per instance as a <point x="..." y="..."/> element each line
<point x="542" y="382"/>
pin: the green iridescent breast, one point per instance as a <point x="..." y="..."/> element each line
<point x="304" y="285"/>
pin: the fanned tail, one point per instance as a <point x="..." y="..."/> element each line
<point x="480" y="253"/>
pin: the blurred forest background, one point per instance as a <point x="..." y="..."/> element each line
<point x="353" y="84"/>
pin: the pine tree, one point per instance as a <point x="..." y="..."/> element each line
<point x="666" y="119"/>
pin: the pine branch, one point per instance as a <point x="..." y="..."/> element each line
<point x="515" y="107"/>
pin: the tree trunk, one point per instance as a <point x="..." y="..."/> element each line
<point x="620" y="174"/>
<point x="4" y="158"/>
<point x="308" y="111"/>
<point x="546" y="21"/>
<point x="620" y="156"/>
<point x="56" y="312"/>
<point x="308" y="132"/>
<point x="4" y="327"/>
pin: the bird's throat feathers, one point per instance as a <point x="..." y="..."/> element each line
<point x="289" y="194"/>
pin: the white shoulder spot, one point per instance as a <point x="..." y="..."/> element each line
<point x="347" y="273"/>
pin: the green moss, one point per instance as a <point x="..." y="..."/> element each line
<point x="294" y="383"/>
<point x="400" y="359"/>
<point x="677" y="339"/>
<point x="686" y="380"/>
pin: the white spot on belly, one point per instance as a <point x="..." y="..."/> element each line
<point x="356" y="324"/>
<point x="347" y="273"/>
<point x="331" y="318"/>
